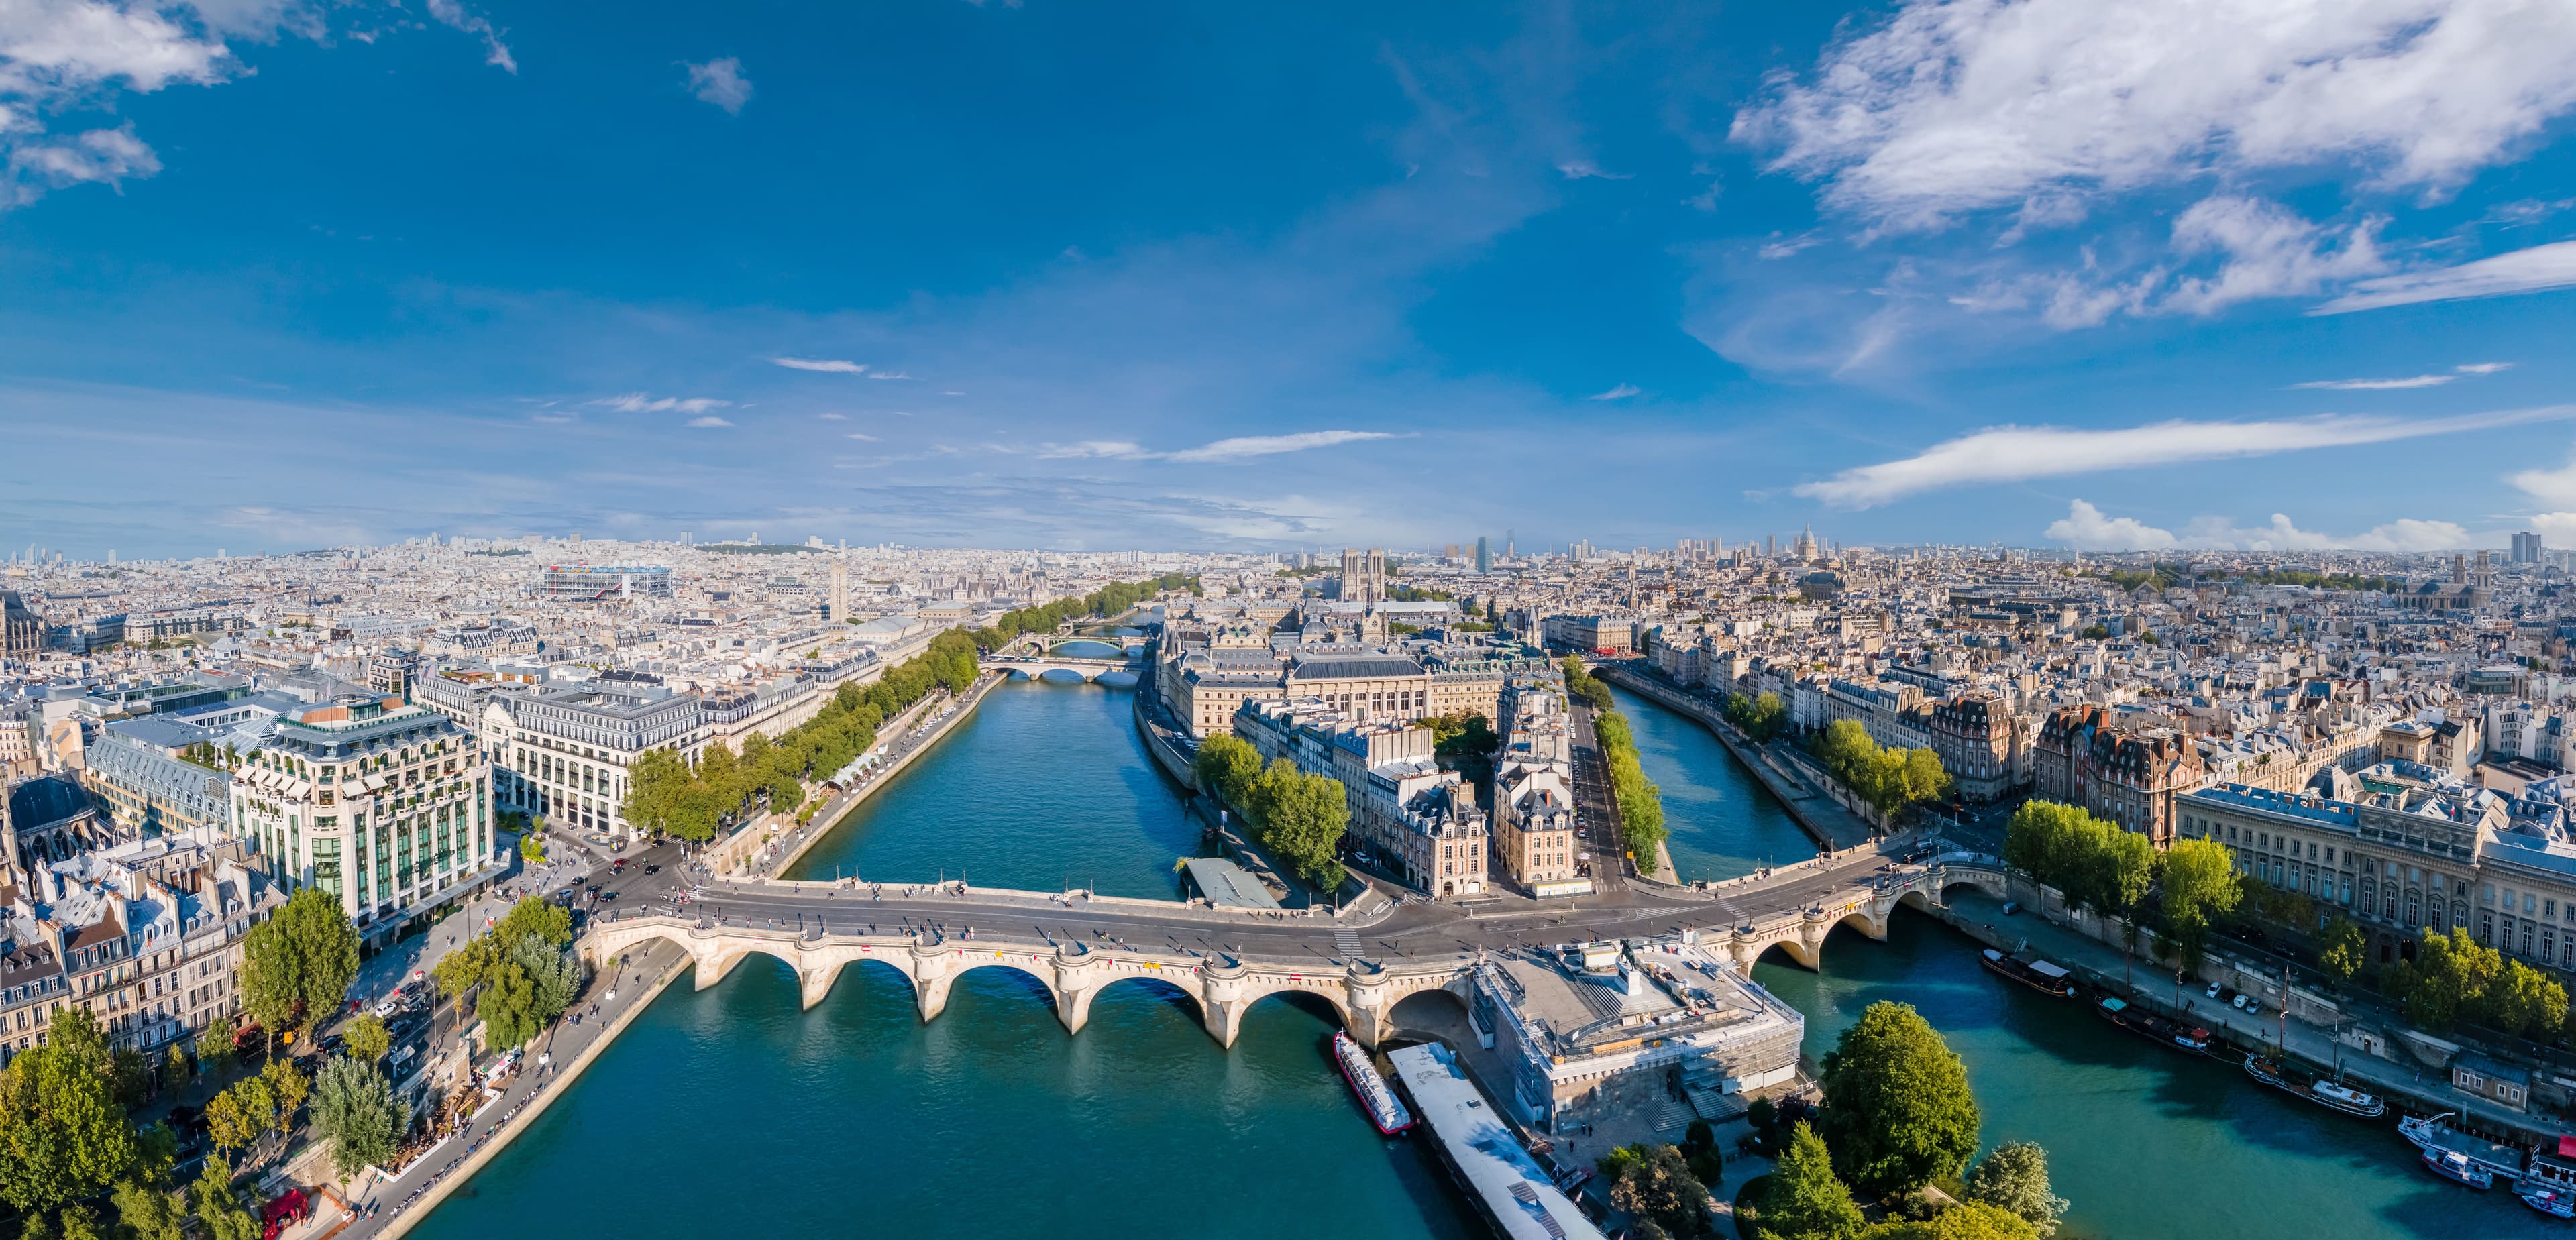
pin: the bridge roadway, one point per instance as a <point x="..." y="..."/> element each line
<point x="1226" y="959"/>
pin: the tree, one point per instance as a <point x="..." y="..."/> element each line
<point x="174" y="1069"/>
<point x="2200" y="885"/>
<point x="2525" y="1002"/>
<point x="2342" y="948"/>
<point x="2014" y="1178"/>
<point x="532" y="917"/>
<point x="1802" y="1199"/>
<point x="1707" y="1161"/>
<point x="367" y="1038"/>
<point x="1302" y="817"/>
<point x="148" y="1213"/>
<point x="287" y="1085"/>
<point x="80" y="1223"/>
<point x="1969" y="1220"/>
<point x="355" y="1109"/>
<point x="62" y="1136"/>
<point x="531" y="846"/>
<point x="298" y="964"/>
<point x="237" y="1116"/>
<point x="1226" y="767"/>
<point x="219" y="1211"/>
<point x="130" y="1076"/>
<point x="1655" y="1182"/>
<point x="1897" y="1108"/>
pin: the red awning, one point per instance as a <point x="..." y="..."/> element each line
<point x="2567" y="1147"/>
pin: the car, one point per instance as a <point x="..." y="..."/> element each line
<point x="653" y="869"/>
<point x="2240" y="1003"/>
<point x="2213" y="990"/>
<point x="390" y="1005"/>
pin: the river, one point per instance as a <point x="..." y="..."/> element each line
<point x="731" y="1110"/>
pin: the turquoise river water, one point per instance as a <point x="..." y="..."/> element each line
<point x="730" y="1112"/>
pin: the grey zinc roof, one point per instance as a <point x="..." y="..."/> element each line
<point x="1355" y="667"/>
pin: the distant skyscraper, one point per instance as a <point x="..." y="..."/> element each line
<point x="2526" y="548"/>
<point x="840" y="590"/>
<point x="1484" y="554"/>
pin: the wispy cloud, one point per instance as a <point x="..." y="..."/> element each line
<point x="2535" y="270"/>
<point x="827" y="365"/>
<point x="2018" y="453"/>
<point x="1586" y="170"/>
<point x="888" y="374"/>
<point x="721" y="83"/>
<point x="1621" y="392"/>
<point x="2376" y="385"/>
<point x="709" y="421"/>
<point x="452" y="14"/>
<point x="646" y="402"/>
<point x="2410" y="381"/>
<point x="833" y="417"/>
<point x="1094" y="449"/>
<point x="1248" y="446"/>
<point x="862" y="437"/>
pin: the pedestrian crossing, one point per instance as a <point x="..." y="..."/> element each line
<point x="1347" y="942"/>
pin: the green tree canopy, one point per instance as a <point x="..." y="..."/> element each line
<point x="1226" y="766"/>
<point x="219" y="1211"/>
<point x="1655" y="1182"/>
<point x="355" y="1109"/>
<point x="1802" y="1199"/>
<point x="62" y="1135"/>
<point x="1898" y="1112"/>
<point x="2014" y="1178"/>
<point x="2200" y="885"/>
<point x="1302" y="817"/>
<point x="2342" y="948"/>
<point x="367" y="1038"/>
<point x="298" y="964"/>
<point x="1969" y="1220"/>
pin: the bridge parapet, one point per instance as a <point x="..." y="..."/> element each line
<point x="1225" y="987"/>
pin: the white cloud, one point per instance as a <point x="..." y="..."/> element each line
<point x="1094" y="449"/>
<point x="826" y="365"/>
<point x="646" y="402"/>
<point x="1584" y="169"/>
<point x="1953" y="106"/>
<point x="455" y="15"/>
<point x="2549" y="486"/>
<point x="2269" y="253"/>
<point x="833" y="417"/>
<point x="2535" y="270"/>
<point x="1247" y="446"/>
<point x="893" y="374"/>
<point x="709" y="421"/>
<point x="721" y="83"/>
<point x="101" y="155"/>
<point x="2483" y="368"/>
<point x="862" y="437"/>
<point x="2377" y="385"/>
<point x="1621" y="392"/>
<point x="2085" y="528"/>
<point x="2017" y="453"/>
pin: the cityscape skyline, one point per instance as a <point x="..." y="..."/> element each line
<point x="1608" y="259"/>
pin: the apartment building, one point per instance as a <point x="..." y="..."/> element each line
<point x="1537" y="840"/>
<point x="567" y="747"/>
<point x="385" y="805"/>
<point x="1409" y="820"/>
<point x="2124" y="770"/>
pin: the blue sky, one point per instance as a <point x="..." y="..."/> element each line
<point x="2096" y="273"/>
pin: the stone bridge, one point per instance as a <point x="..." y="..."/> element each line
<point x="1801" y="934"/>
<point x="1223" y="986"/>
<point x="1088" y="669"/>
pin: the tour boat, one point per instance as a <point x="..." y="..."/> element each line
<point x="2039" y="975"/>
<point x="1384" y="1109"/>
<point x="2554" y="1202"/>
<point x="2435" y="1137"/>
<point x="2454" y="1166"/>
<point x="2316" y="1089"/>
<point x="2189" y="1039"/>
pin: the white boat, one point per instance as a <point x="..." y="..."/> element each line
<point x="1384" y="1108"/>
<point x="2435" y="1137"/>
<point x="2554" y="1202"/>
<point x="2457" y="1168"/>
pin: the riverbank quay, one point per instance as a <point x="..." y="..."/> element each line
<point x="1814" y="807"/>
<point x="2413" y="1084"/>
<point x="390" y="1208"/>
<point x="918" y="734"/>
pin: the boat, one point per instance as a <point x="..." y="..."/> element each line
<point x="2554" y="1202"/>
<point x="2456" y="1167"/>
<point x="2189" y="1039"/>
<point x="2325" y="1093"/>
<point x="2435" y="1136"/>
<point x="2039" y="975"/>
<point x="1384" y="1109"/>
